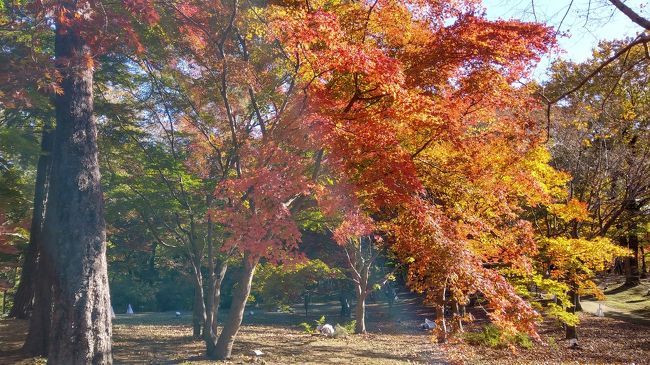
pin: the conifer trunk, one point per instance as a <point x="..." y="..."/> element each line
<point x="80" y="330"/>
<point x="38" y="335"/>
<point x="226" y="340"/>
<point x="24" y="297"/>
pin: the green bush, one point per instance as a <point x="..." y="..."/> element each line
<point x="492" y="336"/>
<point x="523" y="341"/>
<point x="275" y="285"/>
<point x="284" y="308"/>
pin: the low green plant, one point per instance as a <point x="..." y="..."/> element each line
<point x="489" y="336"/>
<point x="307" y="328"/>
<point x="320" y="321"/>
<point x="492" y="336"/>
<point x="349" y="327"/>
<point x="340" y="331"/>
<point x="311" y="329"/>
<point x="285" y="308"/>
<point x="523" y="341"/>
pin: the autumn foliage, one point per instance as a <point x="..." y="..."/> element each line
<point x="393" y="117"/>
<point x="411" y="122"/>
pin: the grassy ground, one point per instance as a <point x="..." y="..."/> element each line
<point x="162" y="338"/>
<point x="633" y="300"/>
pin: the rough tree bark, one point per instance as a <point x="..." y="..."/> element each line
<point x="38" y="336"/>
<point x="226" y="340"/>
<point x="24" y="297"/>
<point x="74" y="219"/>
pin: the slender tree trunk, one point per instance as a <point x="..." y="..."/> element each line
<point x="360" y="312"/>
<point x="571" y="332"/>
<point x="24" y="297"/>
<point x="440" y="312"/>
<point x="459" y="316"/>
<point x="198" y="314"/>
<point x="217" y="271"/>
<point x="362" y="294"/>
<point x="344" y="298"/>
<point x="221" y="273"/>
<point x="644" y="268"/>
<point x="632" y="275"/>
<point x="209" y="334"/>
<point x="236" y="314"/>
<point x="74" y="219"/>
<point x="211" y="327"/>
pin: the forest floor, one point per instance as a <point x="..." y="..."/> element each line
<point x="394" y="338"/>
<point x="622" y="336"/>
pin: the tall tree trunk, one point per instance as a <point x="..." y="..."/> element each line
<point x="74" y="219"/>
<point x="226" y="340"/>
<point x="24" y="297"/>
<point x="38" y="336"/>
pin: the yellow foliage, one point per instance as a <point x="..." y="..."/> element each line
<point x="572" y="210"/>
<point x="552" y="181"/>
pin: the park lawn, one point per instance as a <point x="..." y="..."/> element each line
<point x="633" y="300"/>
<point x="169" y="341"/>
<point x="163" y="338"/>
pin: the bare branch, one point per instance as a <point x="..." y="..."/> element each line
<point x="634" y="16"/>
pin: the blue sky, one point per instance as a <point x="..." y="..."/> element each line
<point x="586" y="23"/>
